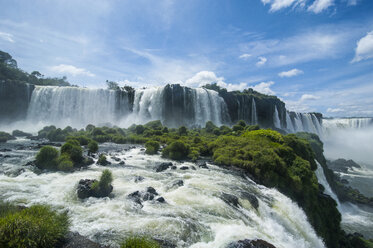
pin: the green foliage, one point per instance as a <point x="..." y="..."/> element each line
<point x="19" y="133"/>
<point x="139" y="242"/>
<point x="210" y="126"/>
<point x="102" y="159"/>
<point x="4" y="137"/>
<point x="155" y="125"/>
<point x="34" y="227"/>
<point x="237" y="128"/>
<point x="176" y="150"/>
<point x="139" y="129"/>
<point x="64" y="163"/>
<point x="183" y="130"/>
<point x="242" y="123"/>
<point x="73" y="149"/>
<point x="92" y="146"/>
<point x="47" y="158"/>
<point x="105" y="180"/>
<point x="152" y="147"/>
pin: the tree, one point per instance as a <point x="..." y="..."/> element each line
<point x="37" y="74"/>
<point x="111" y="85"/>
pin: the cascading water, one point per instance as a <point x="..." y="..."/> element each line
<point x="254" y="115"/>
<point x="276" y="118"/>
<point x="289" y="123"/>
<point x="194" y="215"/>
<point x="73" y="106"/>
<point x="353" y="123"/>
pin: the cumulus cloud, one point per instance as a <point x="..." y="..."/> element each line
<point x="364" y="48"/>
<point x="320" y="5"/>
<point x="70" y="69"/>
<point x="307" y="97"/>
<point x="264" y="87"/>
<point x="334" y="110"/>
<point x="7" y="37"/>
<point x="203" y="78"/>
<point x="262" y="61"/>
<point x="245" y="56"/>
<point x="291" y="73"/>
<point x="280" y="4"/>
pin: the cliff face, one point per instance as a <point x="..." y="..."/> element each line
<point x="14" y="100"/>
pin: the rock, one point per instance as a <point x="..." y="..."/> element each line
<point x="230" y="199"/>
<point x="6" y="156"/>
<point x="344" y="181"/>
<point x="135" y="196"/>
<point x="173" y="167"/>
<point x="142" y="149"/>
<point x="18" y="133"/>
<point x="343" y="165"/>
<point x="184" y="168"/>
<point x="163" y="166"/>
<point x="151" y="190"/>
<point x="122" y="163"/>
<point x="247" y="243"/>
<point x="115" y="158"/>
<point x="5" y="150"/>
<point x="138" y="179"/>
<point x="202" y="164"/>
<point x="140" y="196"/>
<point x="177" y="183"/>
<point x="84" y="189"/>
<point x="161" y="199"/>
<point x="75" y="240"/>
<point x="251" y="198"/>
<point x="193" y="168"/>
<point x="30" y="163"/>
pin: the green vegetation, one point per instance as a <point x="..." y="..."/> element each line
<point x="34" y="227"/>
<point x="92" y="147"/>
<point x="4" y="137"/>
<point x="105" y="179"/>
<point x="152" y="147"/>
<point x="176" y="150"/>
<point x="47" y="158"/>
<point x="102" y="160"/>
<point x="139" y="242"/>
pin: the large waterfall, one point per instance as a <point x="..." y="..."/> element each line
<point x="276" y="118"/>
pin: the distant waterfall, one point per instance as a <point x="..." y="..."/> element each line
<point x="276" y="118"/>
<point x="289" y="123"/>
<point x="254" y="115"/>
<point x="354" y="123"/>
<point x="72" y="106"/>
<point x="303" y="122"/>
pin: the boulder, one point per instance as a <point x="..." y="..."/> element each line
<point x="202" y="164"/>
<point x="85" y="190"/>
<point x="230" y="199"/>
<point x="247" y="243"/>
<point x="251" y="198"/>
<point x="184" y="168"/>
<point x="163" y="166"/>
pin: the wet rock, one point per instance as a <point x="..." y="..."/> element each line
<point x="161" y="199"/>
<point x="343" y="165"/>
<point x="138" y="179"/>
<point x="6" y="156"/>
<point x="115" y="158"/>
<point x="251" y="198"/>
<point x="18" y="133"/>
<point x="142" y="149"/>
<point x="5" y="150"/>
<point x="148" y="195"/>
<point x="344" y="181"/>
<point x="30" y="163"/>
<point x="202" y="164"/>
<point x="163" y="166"/>
<point x="151" y="190"/>
<point x="247" y="243"/>
<point x="177" y="183"/>
<point x="75" y="240"/>
<point x="173" y="167"/>
<point x="193" y="168"/>
<point x="184" y="168"/>
<point x="85" y="190"/>
<point x="230" y="199"/>
<point x="122" y="163"/>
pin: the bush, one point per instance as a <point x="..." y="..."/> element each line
<point x="237" y="128"/>
<point x="65" y="163"/>
<point x="156" y="125"/>
<point x="183" y="130"/>
<point x="4" y="137"/>
<point x="241" y="123"/>
<point x="210" y="126"/>
<point x="105" y="179"/>
<point x="152" y="147"/>
<point x="73" y="149"/>
<point x="47" y="158"/>
<point x="92" y="147"/>
<point x="176" y="150"/>
<point x="139" y="242"/>
<point x="102" y="160"/>
<point x="139" y="129"/>
<point x="35" y="227"/>
<point x="19" y="133"/>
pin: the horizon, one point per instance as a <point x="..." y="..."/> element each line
<point x="316" y="56"/>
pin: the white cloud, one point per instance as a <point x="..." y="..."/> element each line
<point x="334" y="110"/>
<point x="280" y="4"/>
<point x="291" y="73"/>
<point x="70" y="69"/>
<point x="245" y="56"/>
<point x="320" y="5"/>
<point x="351" y="2"/>
<point x="264" y="87"/>
<point x="364" y="48"/>
<point x="306" y="97"/>
<point x="7" y="37"/>
<point x="202" y="78"/>
<point x="262" y="61"/>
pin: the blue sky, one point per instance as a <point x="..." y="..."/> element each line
<point x="316" y="55"/>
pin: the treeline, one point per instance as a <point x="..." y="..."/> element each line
<point x="9" y="71"/>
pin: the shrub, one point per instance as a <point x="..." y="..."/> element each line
<point x="165" y="130"/>
<point x="139" y="129"/>
<point x="105" y="179"/>
<point x="65" y="163"/>
<point x="119" y="139"/>
<point x="210" y="126"/>
<point x="102" y="160"/>
<point x="156" y="125"/>
<point x="152" y="147"/>
<point x="73" y="149"/>
<point x="89" y="128"/>
<point x="176" y="150"/>
<point x="4" y="137"/>
<point x="19" y="133"/>
<point x="183" y="130"/>
<point x="237" y="128"/>
<point x="241" y="123"/>
<point x="139" y="242"/>
<point x="35" y="227"/>
<point x="83" y="140"/>
<point x="92" y="147"/>
<point x="47" y="158"/>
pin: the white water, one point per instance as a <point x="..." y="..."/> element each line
<point x="276" y="118"/>
<point x="254" y="115"/>
<point x="194" y="216"/>
<point x="289" y="123"/>
<point x="77" y="107"/>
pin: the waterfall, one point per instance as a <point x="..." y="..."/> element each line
<point x="289" y="123"/>
<point x="254" y="115"/>
<point x="276" y="118"/>
<point x="354" y="123"/>
<point x="73" y="106"/>
<point x="322" y="180"/>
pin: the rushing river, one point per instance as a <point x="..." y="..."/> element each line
<point x="194" y="215"/>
